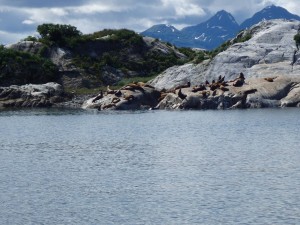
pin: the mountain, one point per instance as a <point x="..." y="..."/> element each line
<point x="213" y="32"/>
<point x="207" y="35"/>
<point x="218" y="29"/>
<point x="268" y="13"/>
<point x="163" y="32"/>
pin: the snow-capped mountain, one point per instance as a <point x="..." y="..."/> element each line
<point x="163" y="32"/>
<point x="215" y="31"/>
<point x="268" y="13"/>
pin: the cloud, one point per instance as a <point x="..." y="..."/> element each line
<point x="22" y="16"/>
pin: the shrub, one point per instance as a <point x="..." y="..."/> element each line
<point x="57" y="33"/>
<point x="22" y="68"/>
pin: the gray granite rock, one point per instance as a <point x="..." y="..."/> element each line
<point x="129" y="97"/>
<point x="270" y="52"/>
<point x="31" y="95"/>
<point x="282" y="91"/>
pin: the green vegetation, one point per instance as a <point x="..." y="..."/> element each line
<point x="57" y="33"/>
<point x="297" y="39"/>
<point x="133" y="79"/>
<point x="22" y="68"/>
<point x="120" y="49"/>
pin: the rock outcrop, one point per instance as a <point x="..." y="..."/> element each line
<point x="270" y="52"/>
<point x="31" y="95"/>
<point x="104" y="61"/>
<point x="133" y="96"/>
<point x="269" y="92"/>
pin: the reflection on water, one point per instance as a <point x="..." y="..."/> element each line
<point x="150" y="167"/>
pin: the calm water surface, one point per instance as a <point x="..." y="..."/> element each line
<point x="160" y="167"/>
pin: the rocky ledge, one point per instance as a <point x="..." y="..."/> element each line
<point x="133" y="96"/>
<point x="31" y="95"/>
<point x="279" y="91"/>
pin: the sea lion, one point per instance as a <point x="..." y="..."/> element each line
<point x="115" y="100"/>
<point x="199" y="88"/>
<point x="110" y="91"/>
<point x="214" y="93"/>
<point x="223" y="88"/>
<point x="149" y="86"/>
<point x="99" y="96"/>
<point x="270" y="79"/>
<point x="109" y="106"/>
<point x="118" y="93"/>
<point x="251" y="91"/>
<point x="238" y="83"/>
<point x="206" y="82"/>
<point x="205" y="93"/>
<point x="162" y="96"/>
<point x="133" y="87"/>
<point x="187" y="85"/>
<point x="219" y="79"/>
<point x="242" y="76"/>
<point x="181" y="95"/>
<point x="214" y="86"/>
<point x="129" y="98"/>
<point x="222" y="79"/>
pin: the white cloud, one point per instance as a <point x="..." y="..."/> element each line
<point x="22" y="17"/>
<point x="28" y="22"/>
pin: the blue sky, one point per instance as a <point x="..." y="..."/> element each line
<point x="19" y="18"/>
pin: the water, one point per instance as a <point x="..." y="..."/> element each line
<point x="159" y="167"/>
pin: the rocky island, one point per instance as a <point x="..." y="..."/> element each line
<point x="258" y="68"/>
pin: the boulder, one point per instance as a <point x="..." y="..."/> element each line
<point x="31" y="95"/>
<point x="279" y="91"/>
<point x="129" y="97"/>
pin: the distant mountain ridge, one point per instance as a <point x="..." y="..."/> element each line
<point x="215" y="31"/>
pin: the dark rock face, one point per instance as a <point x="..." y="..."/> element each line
<point x="44" y="95"/>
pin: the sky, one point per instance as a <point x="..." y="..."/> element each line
<point x="20" y="18"/>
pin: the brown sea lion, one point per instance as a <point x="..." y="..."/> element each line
<point x="270" y="79"/>
<point x="129" y="98"/>
<point x="149" y="86"/>
<point x="115" y="100"/>
<point x="199" y="88"/>
<point x="110" y="91"/>
<point x="251" y="91"/>
<point x="187" y="85"/>
<point x="109" y="106"/>
<point x="162" y="96"/>
<point x="223" y="88"/>
<point x="133" y="87"/>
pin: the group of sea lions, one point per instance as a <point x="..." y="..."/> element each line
<point x="207" y="87"/>
<point x="125" y="94"/>
<point x="128" y="93"/>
